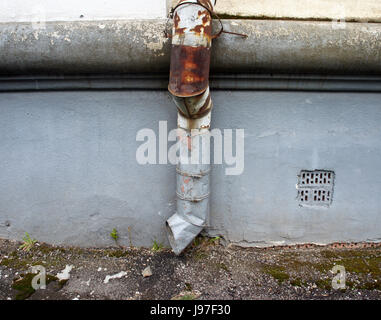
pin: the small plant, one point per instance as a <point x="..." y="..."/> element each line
<point x="28" y="242"/>
<point x="215" y="239"/>
<point x="157" y="246"/>
<point x="114" y="235"/>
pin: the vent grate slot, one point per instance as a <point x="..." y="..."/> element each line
<point x="315" y="188"/>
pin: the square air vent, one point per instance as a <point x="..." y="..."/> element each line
<point x="315" y="188"/>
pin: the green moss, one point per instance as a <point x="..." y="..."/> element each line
<point x="277" y="272"/>
<point x="363" y="261"/>
<point x="325" y="284"/>
<point x="13" y="254"/>
<point x="118" y="253"/>
<point x="46" y="249"/>
<point x="19" y="263"/>
<point x="21" y="260"/>
<point x="293" y="263"/>
<point x="198" y="241"/>
<point x="24" y="288"/>
<point x="214" y="240"/>
<point x="297" y="282"/>
<point x="329" y="254"/>
<point x="362" y="265"/>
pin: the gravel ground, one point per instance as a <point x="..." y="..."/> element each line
<point x="206" y="270"/>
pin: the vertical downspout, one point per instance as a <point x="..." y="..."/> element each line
<point x="189" y="86"/>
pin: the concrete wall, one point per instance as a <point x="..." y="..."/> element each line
<point x="90" y="10"/>
<point x="350" y="10"/>
<point x="68" y="172"/>
<point x="86" y="10"/>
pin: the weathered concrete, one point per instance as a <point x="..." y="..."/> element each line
<point x="353" y="10"/>
<point x="40" y="11"/>
<point x="140" y="46"/>
<point x="69" y="173"/>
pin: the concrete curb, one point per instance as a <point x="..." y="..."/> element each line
<point x="138" y="46"/>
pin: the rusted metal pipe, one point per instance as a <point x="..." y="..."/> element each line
<point x="189" y="86"/>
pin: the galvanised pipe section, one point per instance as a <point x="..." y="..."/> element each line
<point x="189" y="86"/>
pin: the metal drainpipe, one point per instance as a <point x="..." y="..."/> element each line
<point x="189" y="86"/>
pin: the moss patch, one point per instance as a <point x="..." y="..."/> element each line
<point x="24" y="288"/>
<point x="19" y="262"/>
<point x="277" y="272"/>
<point x="118" y="253"/>
<point x="325" y="284"/>
<point x="297" y="282"/>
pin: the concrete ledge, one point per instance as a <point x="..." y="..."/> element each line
<point x="350" y="10"/>
<point x="137" y="46"/>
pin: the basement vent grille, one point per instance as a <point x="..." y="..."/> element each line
<point x="315" y="188"/>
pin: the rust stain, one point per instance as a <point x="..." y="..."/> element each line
<point x="176" y="20"/>
<point x="180" y="31"/>
<point x="198" y="29"/>
<point x="186" y="180"/>
<point x="206" y="19"/>
<point x="189" y="70"/>
<point x="205" y="29"/>
<point x="188" y="65"/>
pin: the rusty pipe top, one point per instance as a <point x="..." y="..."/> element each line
<point x="191" y="43"/>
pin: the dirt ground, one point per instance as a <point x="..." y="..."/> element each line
<point x="206" y="270"/>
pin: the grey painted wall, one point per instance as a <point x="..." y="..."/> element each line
<point x="68" y="172"/>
